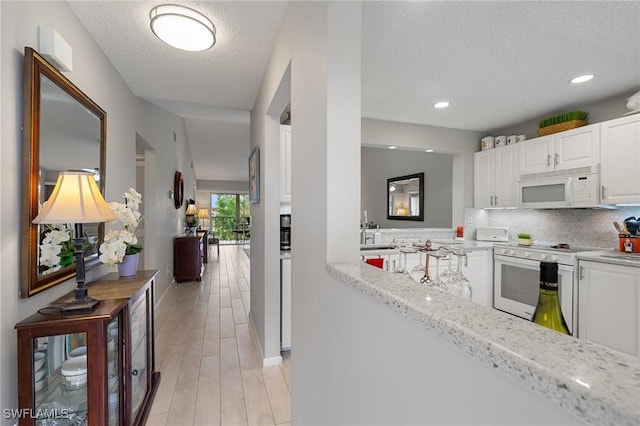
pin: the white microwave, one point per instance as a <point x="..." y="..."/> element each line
<point x="575" y="188"/>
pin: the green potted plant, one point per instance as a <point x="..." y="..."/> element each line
<point x="524" y="238"/>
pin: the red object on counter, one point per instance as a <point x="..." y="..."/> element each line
<point x="459" y="231"/>
<point x="376" y="261"/>
<point x="629" y="244"/>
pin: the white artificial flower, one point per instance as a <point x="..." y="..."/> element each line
<point x="116" y="242"/>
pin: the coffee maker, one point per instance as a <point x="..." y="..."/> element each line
<point x="285" y="232"/>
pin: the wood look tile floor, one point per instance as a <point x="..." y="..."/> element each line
<point x="212" y="372"/>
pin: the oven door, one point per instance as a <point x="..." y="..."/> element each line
<point x="517" y="283"/>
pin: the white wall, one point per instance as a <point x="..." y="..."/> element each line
<point x="380" y="164"/>
<point x="92" y="73"/>
<point x="381" y="369"/>
<point x="321" y="42"/>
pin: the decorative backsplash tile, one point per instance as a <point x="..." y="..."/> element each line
<point x="584" y="227"/>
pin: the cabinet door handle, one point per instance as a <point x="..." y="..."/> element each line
<point x="134" y="372"/>
<point x="557" y="161"/>
<point x="581" y="274"/>
<point x="602" y="195"/>
<point x="491" y="202"/>
<point x="495" y="200"/>
<point x="548" y="159"/>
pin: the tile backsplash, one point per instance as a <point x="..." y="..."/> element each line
<point x="584" y="227"/>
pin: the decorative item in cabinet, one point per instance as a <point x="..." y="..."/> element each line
<point x="91" y="367"/>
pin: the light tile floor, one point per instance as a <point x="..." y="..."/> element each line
<point x="212" y="373"/>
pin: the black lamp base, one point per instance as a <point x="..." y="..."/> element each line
<point x="81" y="302"/>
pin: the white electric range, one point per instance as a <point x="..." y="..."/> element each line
<point x="517" y="277"/>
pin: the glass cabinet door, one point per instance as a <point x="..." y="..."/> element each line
<point x="113" y="372"/>
<point x="60" y="379"/>
<point x="139" y="373"/>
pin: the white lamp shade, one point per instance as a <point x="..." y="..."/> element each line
<point x="191" y="209"/>
<point x="203" y="213"/>
<point x="75" y="199"/>
<point x="182" y="27"/>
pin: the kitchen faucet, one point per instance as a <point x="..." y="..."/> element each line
<point x="363" y="227"/>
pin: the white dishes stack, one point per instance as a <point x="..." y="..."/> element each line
<point x="489" y="142"/>
<point x="74" y="373"/>
<point x="40" y="371"/>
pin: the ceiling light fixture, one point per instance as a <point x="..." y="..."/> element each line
<point x="392" y="147"/>
<point x="182" y="27"/>
<point x="428" y="150"/>
<point x="441" y="105"/>
<point x="581" y="78"/>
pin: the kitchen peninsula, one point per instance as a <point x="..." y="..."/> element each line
<point x="573" y="380"/>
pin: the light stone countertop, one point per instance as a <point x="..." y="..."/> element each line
<point x="611" y="257"/>
<point x="595" y="383"/>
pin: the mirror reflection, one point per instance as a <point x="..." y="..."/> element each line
<point x="63" y="130"/>
<point x="405" y="197"/>
<point x="75" y="145"/>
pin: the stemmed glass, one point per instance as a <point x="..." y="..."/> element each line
<point x="463" y="283"/>
<point x="438" y="254"/>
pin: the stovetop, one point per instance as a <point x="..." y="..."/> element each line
<point x="541" y="251"/>
<point x="553" y="247"/>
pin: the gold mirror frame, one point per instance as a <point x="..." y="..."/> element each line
<point x="35" y="66"/>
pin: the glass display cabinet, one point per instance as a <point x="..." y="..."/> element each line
<point x="94" y="367"/>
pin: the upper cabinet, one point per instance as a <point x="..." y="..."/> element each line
<point x="620" y="160"/>
<point x="495" y="175"/>
<point x="566" y="150"/>
<point x="285" y="163"/>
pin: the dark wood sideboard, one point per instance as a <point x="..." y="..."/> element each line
<point x="117" y="340"/>
<point x="188" y="257"/>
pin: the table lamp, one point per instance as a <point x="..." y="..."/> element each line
<point x="203" y="214"/>
<point x="76" y="199"/>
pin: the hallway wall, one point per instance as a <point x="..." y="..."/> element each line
<point x="126" y="115"/>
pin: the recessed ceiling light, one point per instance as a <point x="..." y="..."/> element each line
<point x="582" y="78"/>
<point x="182" y="27"/>
<point x="440" y="105"/>
<point x="392" y="147"/>
<point x="428" y="150"/>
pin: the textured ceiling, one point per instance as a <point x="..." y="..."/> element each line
<point x="498" y="63"/>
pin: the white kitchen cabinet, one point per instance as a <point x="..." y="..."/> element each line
<point x="620" y="160"/>
<point x="285" y="163"/>
<point x="609" y="306"/>
<point x="495" y="176"/>
<point x="285" y="304"/>
<point x="560" y="151"/>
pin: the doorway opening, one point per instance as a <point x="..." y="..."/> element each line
<point x="231" y="218"/>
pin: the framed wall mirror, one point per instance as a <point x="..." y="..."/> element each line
<point x="63" y="130"/>
<point x="405" y="197"/>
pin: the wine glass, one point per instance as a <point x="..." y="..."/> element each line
<point x="463" y="284"/>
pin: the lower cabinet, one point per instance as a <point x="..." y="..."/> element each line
<point x="609" y="306"/>
<point x="93" y="367"/>
<point x="285" y="304"/>
<point x="188" y="257"/>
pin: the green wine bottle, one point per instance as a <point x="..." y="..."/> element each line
<point x="548" y="312"/>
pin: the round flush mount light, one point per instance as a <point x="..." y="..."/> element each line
<point x="182" y="27"/>
<point x="428" y="150"/>
<point x="441" y="105"/>
<point x="392" y="147"/>
<point x="581" y="78"/>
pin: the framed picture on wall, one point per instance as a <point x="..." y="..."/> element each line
<point x="254" y="175"/>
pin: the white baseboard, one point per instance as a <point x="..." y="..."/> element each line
<point x="266" y="362"/>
